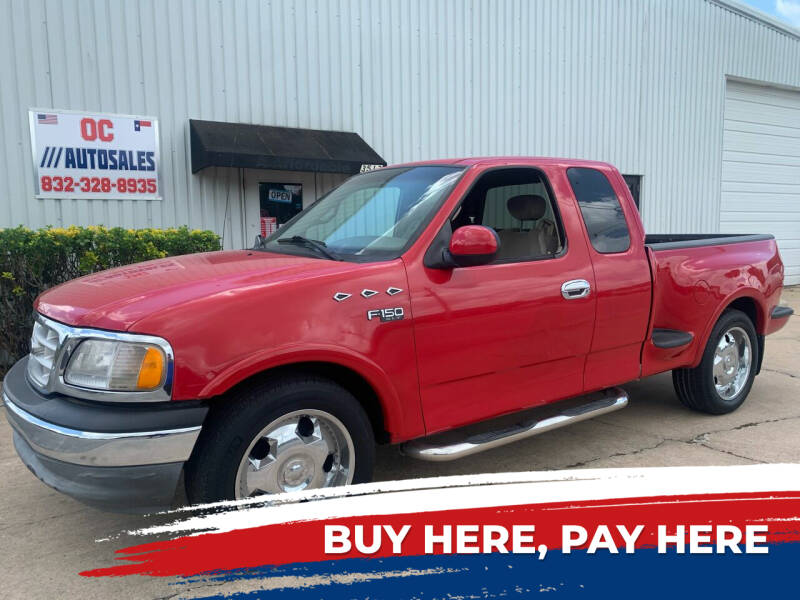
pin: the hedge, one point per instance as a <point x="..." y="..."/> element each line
<point x="32" y="261"/>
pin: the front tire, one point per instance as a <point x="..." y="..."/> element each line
<point x="722" y="380"/>
<point x="281" y="435"/>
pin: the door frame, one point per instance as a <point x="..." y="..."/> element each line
<point x="252" y="207"/>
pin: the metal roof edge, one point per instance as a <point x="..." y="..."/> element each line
<point x="758" y="16"/>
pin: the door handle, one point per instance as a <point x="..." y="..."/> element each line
<point x="575" y="288"/>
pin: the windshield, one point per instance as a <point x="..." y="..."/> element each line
<point x="373" y="216"/>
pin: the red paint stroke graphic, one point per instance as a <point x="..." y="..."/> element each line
<point x="303" y="541"/>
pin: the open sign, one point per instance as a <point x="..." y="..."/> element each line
<point x="276" y="195"/>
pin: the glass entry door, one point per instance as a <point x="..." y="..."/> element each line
<point x="278" y="203"/>
<point x="271" y="198"/>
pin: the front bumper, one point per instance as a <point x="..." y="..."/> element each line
<point x="116" y="457"/>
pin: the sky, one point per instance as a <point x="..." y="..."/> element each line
<point x="787" y="11"/>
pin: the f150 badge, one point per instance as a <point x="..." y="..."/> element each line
<point x="386" y="314"/>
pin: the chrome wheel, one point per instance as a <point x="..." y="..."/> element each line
<point x="304" y="449"/>
<point x="732" y="362"/>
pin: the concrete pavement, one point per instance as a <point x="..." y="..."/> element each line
<point x="46" y="538"/>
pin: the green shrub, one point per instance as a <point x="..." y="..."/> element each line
<point x="32" y="261"/>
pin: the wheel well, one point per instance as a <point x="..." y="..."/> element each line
<point x="350" y="380"/>
<point x="749" y="307"/>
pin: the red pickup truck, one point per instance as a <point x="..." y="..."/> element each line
<point x="452" y="305"/>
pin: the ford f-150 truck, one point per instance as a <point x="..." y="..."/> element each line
<point x="451" y="305"/>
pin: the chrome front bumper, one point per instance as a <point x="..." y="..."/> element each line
<point x="116" y="457"/>
<point x="101" y="449"/>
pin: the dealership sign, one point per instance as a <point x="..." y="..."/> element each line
<point x="93" y="156"/>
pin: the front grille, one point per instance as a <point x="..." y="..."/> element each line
<point x="44" y="343"/>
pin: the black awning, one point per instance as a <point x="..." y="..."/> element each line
<point x="219" y="144"/>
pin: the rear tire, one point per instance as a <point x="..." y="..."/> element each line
<point x="285" y="434"/>
<point x="722" y="380"/>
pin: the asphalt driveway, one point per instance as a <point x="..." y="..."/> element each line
<point x="46" y="538"/>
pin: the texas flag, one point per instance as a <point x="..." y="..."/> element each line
<point x="137" y="125"/>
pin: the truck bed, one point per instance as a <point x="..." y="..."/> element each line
<point x="694" y="277"/>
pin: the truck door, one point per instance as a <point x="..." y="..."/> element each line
<point x="498" y="338"/>
<point x="622" y="275"/>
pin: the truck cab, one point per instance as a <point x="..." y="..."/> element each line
<point x="451" y="306"/>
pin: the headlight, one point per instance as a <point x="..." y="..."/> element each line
<point x="113" y="365"/>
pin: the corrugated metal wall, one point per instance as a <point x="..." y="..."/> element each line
<point x="639" y="83"/>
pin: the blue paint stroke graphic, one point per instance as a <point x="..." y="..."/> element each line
<point x="645" y="574"/>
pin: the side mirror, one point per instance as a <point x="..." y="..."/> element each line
<point x="472" y="245"/>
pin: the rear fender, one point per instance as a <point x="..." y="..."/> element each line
<point x="760" y="324"/>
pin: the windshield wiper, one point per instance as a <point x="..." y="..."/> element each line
<point x="316" y="245"/>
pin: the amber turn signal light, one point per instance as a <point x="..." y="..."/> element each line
<point x="151" y="370"/>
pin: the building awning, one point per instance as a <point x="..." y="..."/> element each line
<point x="219" y="144"/>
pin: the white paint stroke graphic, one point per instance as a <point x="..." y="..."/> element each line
<point x="478" y="491"/>
<point x="279" y="582"/>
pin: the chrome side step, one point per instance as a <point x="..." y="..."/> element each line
<point x="458" y="443"/>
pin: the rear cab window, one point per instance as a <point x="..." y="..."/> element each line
<point x="601" y="210"/>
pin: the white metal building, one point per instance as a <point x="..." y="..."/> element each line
<point x="699" y="98"/>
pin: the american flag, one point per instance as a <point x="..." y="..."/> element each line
<point x="47" y="119"/>
<point x="137" y="125"/>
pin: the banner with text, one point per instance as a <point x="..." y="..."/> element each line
<point x="94" y="156"/>
<point x="593" y="533"/>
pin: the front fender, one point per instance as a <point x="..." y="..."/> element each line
<point x="402" y="416"/>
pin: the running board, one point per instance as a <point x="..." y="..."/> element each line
<point x="458" y="443"/>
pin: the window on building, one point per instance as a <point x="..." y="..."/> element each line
<point x="515" y="203"/>
<point x="601" y="210"/>
<point x="634" y="183"/>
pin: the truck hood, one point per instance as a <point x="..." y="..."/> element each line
<point x="117" y="298"/>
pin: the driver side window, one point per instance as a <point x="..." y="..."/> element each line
<point x="515" y="203"/>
